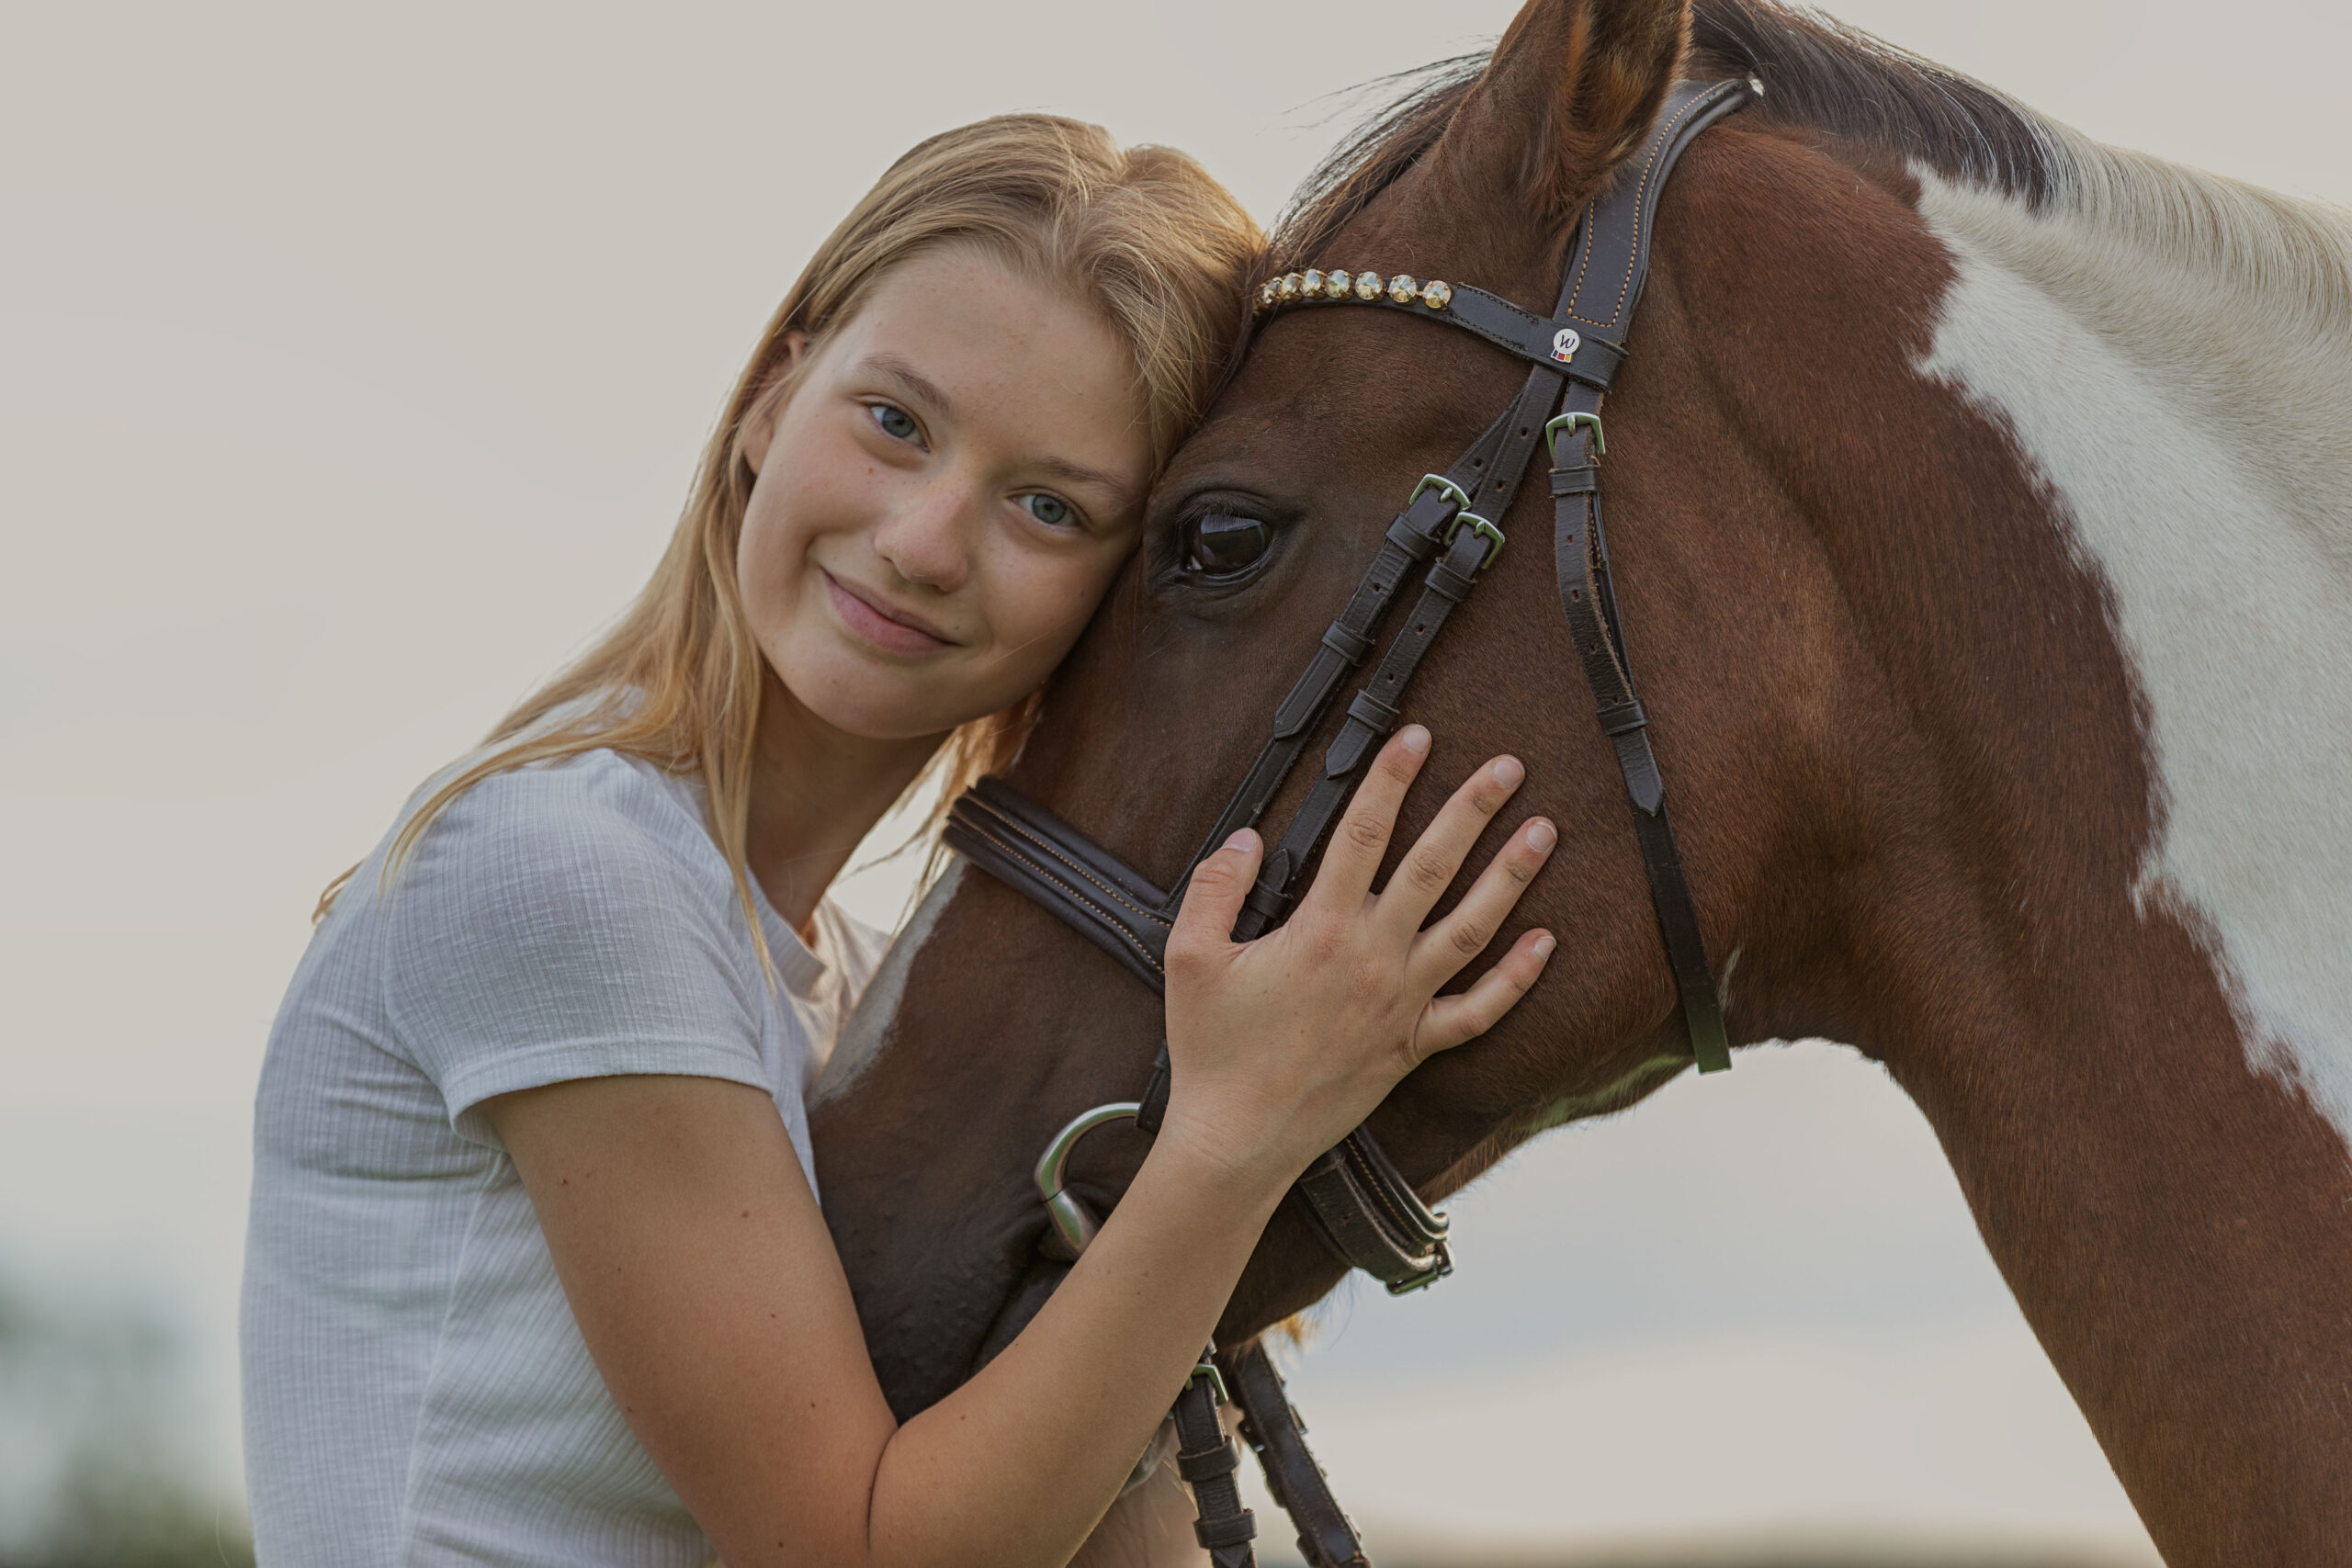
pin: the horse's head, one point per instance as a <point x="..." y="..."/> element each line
<point x="993" y="1024"/>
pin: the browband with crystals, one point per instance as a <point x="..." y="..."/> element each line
<point x="1586" y="355"/>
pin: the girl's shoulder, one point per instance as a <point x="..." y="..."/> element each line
<point x="596" y="848"/>
<point x="573" y="919"/>
<point x="591" y="804"/>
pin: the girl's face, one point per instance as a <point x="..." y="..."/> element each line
<point x="942" y="498"/>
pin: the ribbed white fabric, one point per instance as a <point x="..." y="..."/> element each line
<point x="415" y="1389"/>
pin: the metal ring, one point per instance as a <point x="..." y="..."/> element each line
<point x="1072" y="1221"/>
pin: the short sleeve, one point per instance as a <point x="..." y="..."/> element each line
<point x="542" y="930"/>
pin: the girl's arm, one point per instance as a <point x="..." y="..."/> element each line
<point x="709" y="1291"/>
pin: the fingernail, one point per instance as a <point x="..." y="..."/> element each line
<point x="1508" y="773"/>
<point x="1414" y="738"/>
<point x="1540" y="837"/>
<point x="1244" y="840"/>
<point x="1544" y="946"/>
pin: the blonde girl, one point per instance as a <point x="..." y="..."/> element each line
<point x="537" y="1272"/>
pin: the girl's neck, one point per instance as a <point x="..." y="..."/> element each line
<point x="816" y="792"/>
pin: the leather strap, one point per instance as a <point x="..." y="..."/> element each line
<point x="1496" y="464"/>
<point x="1581" y="561"/>
<point x="1271" y="1425"/>
<point x="1021" y="843"/>
<point x="1561" y="341"/>
<point x="1370" y="719"/>
<point x="1224" y="1528"/>
<point x="1370" y="1218"/>
<point x="1416" y="534"/>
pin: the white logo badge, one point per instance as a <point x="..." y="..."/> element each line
<point x="1565" y="344"/>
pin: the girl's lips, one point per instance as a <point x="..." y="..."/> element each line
<point x="875" y="624"/>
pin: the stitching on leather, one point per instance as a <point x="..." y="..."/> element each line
<point x="1317" y="1189"/>
<point x="1403" y="1223"/>
<point x="1592" y="243"/>
<point x="1116" y="894"/>
<point x="1103" y="916"/>
<point x="1664" y="140"/>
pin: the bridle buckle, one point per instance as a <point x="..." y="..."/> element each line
<point x="1483" y="529"/>
<point x="1462" y="516"/>
<point x="1437" y="1271"/>
<point x="1453" y="492"/>
<point x="1207" y="1367"/>
<point x="1570" y="423"/>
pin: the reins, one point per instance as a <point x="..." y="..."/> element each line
<point x="1364" y="1210"/>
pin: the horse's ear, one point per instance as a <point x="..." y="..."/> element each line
<point x="1569" y="94"/>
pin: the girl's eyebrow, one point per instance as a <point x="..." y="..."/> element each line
<point x="1123" y="495"/>
<point x="922" y="388"/>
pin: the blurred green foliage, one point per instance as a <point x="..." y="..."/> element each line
<point x="96" y="1465"/>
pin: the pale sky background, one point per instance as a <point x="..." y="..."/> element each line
<point x="353" y="362"/>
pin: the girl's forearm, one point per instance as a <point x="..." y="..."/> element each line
<point x="998" y="1473"/>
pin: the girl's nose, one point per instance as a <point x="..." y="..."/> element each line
<point x="929" y="541"/>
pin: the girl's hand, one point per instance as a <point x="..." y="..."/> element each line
<point x="1280" y="1046"/>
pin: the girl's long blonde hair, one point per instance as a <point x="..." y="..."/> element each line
<point x="1161" y="250"/>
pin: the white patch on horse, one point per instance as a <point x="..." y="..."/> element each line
<point x="870" y="1025"/>
<point x="2172" y="353"/>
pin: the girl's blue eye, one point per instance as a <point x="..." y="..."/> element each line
<point x="896" y="422"/>
<point x="1050" y="510"/>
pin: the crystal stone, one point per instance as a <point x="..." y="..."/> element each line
<point x="1401" y="288"/>
<point x="1369" y="285"/>
<point x="1288" y="288"/>
<point x="1436" y="294"/>
<point x="1310" y="283"/>
<point x="1337" y="282"/>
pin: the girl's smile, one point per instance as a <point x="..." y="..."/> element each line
<point x="866" y="614"/>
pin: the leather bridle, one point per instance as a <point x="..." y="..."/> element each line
<point x="1364" y="1210"/>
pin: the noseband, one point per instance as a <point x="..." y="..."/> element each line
<point x="1362" y="1207"/>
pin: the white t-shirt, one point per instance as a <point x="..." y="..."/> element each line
<point x="415" y="1389"/>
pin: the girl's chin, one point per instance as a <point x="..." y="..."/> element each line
<point x="854" y="703"/>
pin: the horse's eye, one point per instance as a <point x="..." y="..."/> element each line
<point x="1220" y="544"/>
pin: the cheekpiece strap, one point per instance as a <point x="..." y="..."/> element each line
<point x="1606" y="273"/>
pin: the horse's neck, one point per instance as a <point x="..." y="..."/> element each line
<point x="2137" y="1043"/>
<point x="2183" y="385"/>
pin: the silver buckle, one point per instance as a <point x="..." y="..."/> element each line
<point x="1571" y="423"/>
<point x="1481" y="528"/>
<point x="1440" y="482"/>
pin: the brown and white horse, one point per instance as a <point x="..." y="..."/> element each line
<point x="1982" y="513"/>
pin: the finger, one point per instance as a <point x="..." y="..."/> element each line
<point x="1447" y="1021"/>
<point x="1429" y="868"/>
<point x="1344" y="880"/>
<point x="1439" y="953"/>
<point x="1213" y="900"/>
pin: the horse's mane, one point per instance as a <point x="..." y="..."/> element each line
<point x="1818" y="73"/>
<point x="1824" y="76"/>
